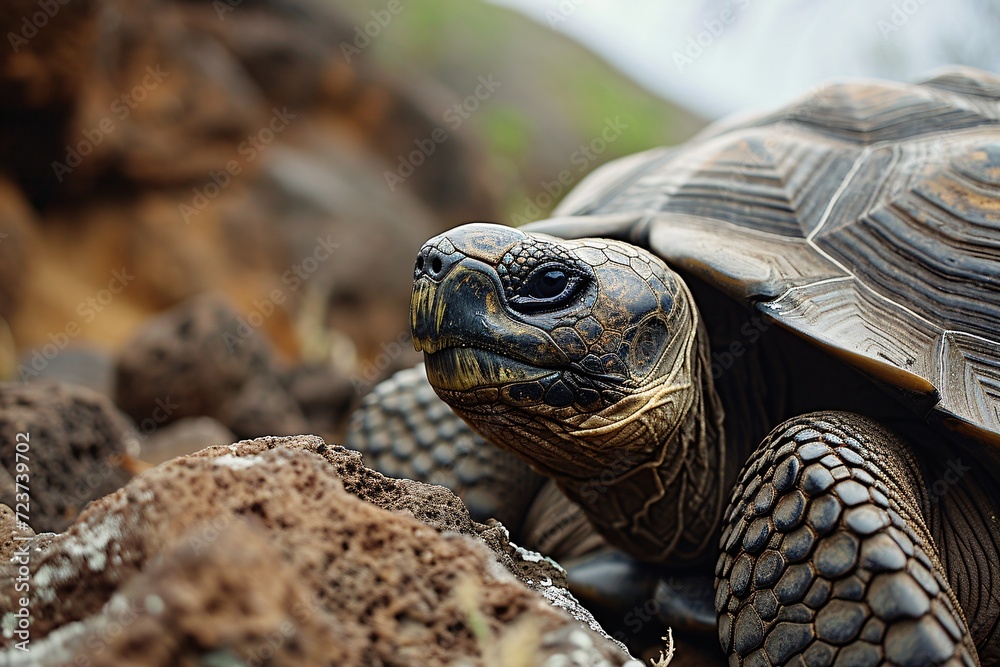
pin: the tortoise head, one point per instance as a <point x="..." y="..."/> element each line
<point x="577" y="355"/>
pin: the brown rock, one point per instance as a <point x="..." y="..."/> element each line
<point x="388" y="588"/>
<point x="202" y="358"/>
<point x="262" y="406"/>
<point x="170" y="105"/>
<point x="182" y="437"/>
<point x="146" y="135"/>
<point x="324" y="396"/>
<point x="10" y="531"/>
<point x="236" y="597"/>
<point x="46" y="57"/>
<point x="42" y="73"/>
<point x="285" y="48"/>
<point x="77" y="443"/>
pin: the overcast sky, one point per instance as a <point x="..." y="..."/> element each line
<point x="717" y="56"/>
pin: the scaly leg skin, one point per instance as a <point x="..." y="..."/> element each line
<point x="826" y="558"/>
<point x="404" y="430"/>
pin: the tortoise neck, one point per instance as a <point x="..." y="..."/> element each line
<point x="667" y="507"/>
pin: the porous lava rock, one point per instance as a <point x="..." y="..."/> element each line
<point x="290" y="551"/>
<point x="75" y="450"/>
<point x="14" y="534"/>
<point x="201" y="358"/>
<point x="182" y="437"/>
<point x="233" y="600"/>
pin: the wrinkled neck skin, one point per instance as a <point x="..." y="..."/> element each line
<point x="649" y="471"/>
<point x="661" y="498"/>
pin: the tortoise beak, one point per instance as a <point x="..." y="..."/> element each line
<point x="434" y="321"/>
<point x="460" y="321"/>
<point x="466" y="309"/>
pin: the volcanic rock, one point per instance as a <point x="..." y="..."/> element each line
<point x="182" y="437"/>
<point x="74" y="452"/>
<point x="202" y="358"/>
<point x="290" y="551"/>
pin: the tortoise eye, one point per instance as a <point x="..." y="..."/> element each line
<point x="547" y="288"/>
<point x="549" y="284"/>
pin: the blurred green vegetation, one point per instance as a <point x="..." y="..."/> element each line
<point x="554" y="97"/>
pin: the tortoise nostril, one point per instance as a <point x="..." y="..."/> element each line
<point x="434" y="263"/>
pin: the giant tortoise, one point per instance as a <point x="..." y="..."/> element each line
<point x="772" y="353"/>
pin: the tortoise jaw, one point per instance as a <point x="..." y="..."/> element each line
<point x="471" y="368"/>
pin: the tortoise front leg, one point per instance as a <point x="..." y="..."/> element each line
<point x="826" y="555"/>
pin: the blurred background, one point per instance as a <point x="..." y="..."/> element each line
<point x="289" y="157"/>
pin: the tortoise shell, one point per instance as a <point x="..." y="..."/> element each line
<point x="864" y="217"/>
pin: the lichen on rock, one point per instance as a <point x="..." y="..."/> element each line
<point x="290" y="551"/>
